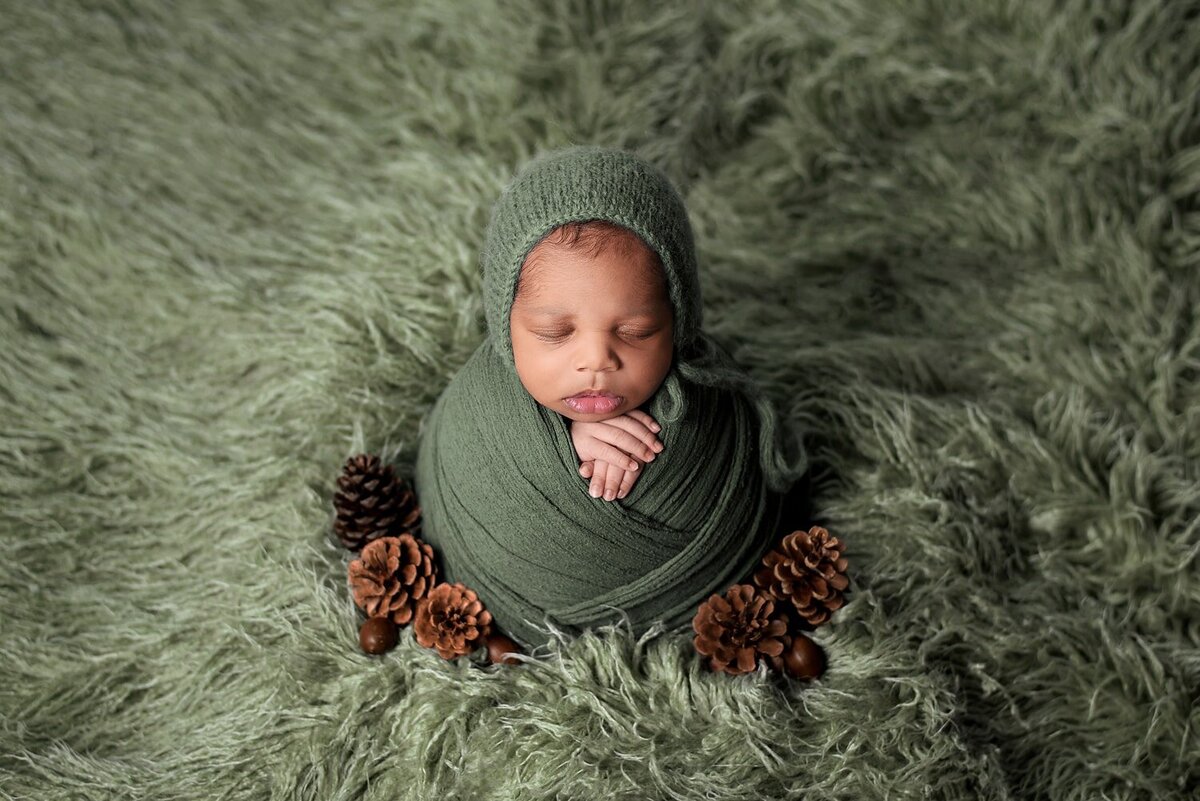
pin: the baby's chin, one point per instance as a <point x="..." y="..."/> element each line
<point x="571" y="414"/>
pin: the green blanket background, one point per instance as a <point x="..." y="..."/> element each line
<point x="238" y="243"/>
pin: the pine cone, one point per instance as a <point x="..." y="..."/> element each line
<point x="452" y="620"/>
<point x="391" y="575"/>
<point x="808" y="569"/>
<point x="371" y="502"/>
<point x="732" y="631"/>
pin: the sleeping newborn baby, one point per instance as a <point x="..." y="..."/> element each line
<point x="598" y="456"/>
<point x="592" y="340"/>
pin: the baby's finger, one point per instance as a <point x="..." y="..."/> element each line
<point x="585" y="469"/>
<point x="621" y="437"/>
<point x="627" y="483"/>
<point x="637" y="423"/>
<point x="613" y="455"/>
<point x="612" y="483"/>
<point x="597" y="486"/>
<point x="645" y="419"/>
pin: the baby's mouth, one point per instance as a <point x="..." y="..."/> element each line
<point x="594" y="402"/>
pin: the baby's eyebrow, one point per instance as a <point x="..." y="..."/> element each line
<point x="556" y="311"/>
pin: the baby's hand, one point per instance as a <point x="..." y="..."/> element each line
<point x="605" y="449"/>
<point x="613" y="482"/>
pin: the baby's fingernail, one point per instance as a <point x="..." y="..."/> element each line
<point x="595" y="492"/>
<point x="621" y="494"/>
<point x="608" y="496"/>
<point x="655" y="427"/>
<point x="633" y="465"/>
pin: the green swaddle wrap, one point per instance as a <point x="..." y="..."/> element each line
<point x="497" y="474"/>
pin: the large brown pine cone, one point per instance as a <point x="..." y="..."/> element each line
<point x="452" y="620"/>
<point x="807" y="568"/>
<point x="371" y="502"/>
<point x="732" y="631"/>
<point x="391" y="575"/>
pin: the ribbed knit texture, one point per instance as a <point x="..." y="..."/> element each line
<point x="497" y="473"/>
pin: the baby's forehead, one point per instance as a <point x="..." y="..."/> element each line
<point x="593" y="238"/>
<point x="543" y="278"/>
<point x="644" y="263"/>
<point x="548" y="271"/>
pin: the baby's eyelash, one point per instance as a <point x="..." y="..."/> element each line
<point x="551" y="337"/>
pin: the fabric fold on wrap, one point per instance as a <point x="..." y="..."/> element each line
<point x="510" y="516"/>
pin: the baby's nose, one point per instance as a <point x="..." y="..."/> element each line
<point x="597" y="355"/>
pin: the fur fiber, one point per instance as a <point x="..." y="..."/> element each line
<point x="958" y="242"/>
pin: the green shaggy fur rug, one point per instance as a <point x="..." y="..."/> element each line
<point x="959" y="242"/>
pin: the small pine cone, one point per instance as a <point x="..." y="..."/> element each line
<point x="391" y="575"/>
<point x="808" y="569"/>
<point x="452" y="620"/>
<point x="371" y="502"/>
<point x="733" y="630"/>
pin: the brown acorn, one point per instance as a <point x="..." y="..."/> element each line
<point x="801" y="658"/>
<point x="500" y="649"/>
<point x="732" y="631"/>
<point x="391" y="575"/>
<point x="451" y="619"/>
<point x="377" y="635"/>
<point x="808" y="569"/>
<point x="372" y="502"/>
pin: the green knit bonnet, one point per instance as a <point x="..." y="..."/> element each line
<point x="589" y="182"/>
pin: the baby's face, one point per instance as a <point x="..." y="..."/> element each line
<point x="582" y="322"/>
